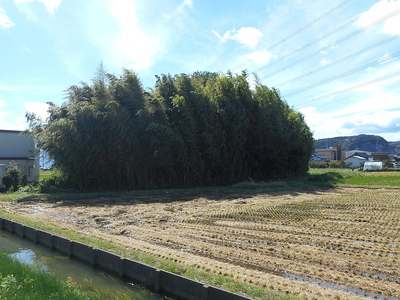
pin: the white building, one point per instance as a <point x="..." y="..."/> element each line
<point x="373" y="166"/>
<point x="20" y="148"/>
<point x="358" y="159"/>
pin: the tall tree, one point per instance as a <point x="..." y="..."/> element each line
<point x="192" y="129"/>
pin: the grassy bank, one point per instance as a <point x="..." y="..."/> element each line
<point x="230" y="284"/>
<point x="315" y="179"/>
<point x="20" y="281"/>
<point x="347" y="177"/>
<point x="45" y="174"/>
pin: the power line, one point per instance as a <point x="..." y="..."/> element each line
<point x="346" y="37"/>
<point x="353" y="87"/>
<point x="324" y="15"/>
<point x="319" y="39"/>
<point x="316" y="20"/>
<point x="345" y="25"/>
<point x="362" y="51"/>
<point x="379" y="61"/>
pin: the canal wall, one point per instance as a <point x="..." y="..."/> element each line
<point x="158" y="280"/>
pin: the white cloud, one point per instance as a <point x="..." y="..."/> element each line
<point x="4" y="124"/>
<point x="320" y="124"/>
<point x="38" y="108"/>
<point x="374" y="81"/>
<point x="363" y="117"/>
<point x="324" y="62"/>
<point x="51" y="5"/>
<point x="5" y="21"/>
<point x="4" y="88"/>
<point x="34" y="11"/>
<point x="378" y="11"/>
<point x="389" y="102"/>
<point x="7" y="122"/>
<point x="221" y="38"/>
<point x="258" y="57"/>
<point x="247" y="36"/>
<point x="179" y="16"/>
<point x="384" y="58"/>
<point x="182" y="8"/>
<point x="132" y="47"/>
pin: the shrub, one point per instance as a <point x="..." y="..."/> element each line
<point x="57" y="182"/>
<point x="318" y="164"/>
<point x="338" y="164"/>
<point x="13" y="177"/>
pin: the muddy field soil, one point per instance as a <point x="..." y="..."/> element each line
<point x="342" y="243"/>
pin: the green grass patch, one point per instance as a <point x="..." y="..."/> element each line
<point x="380" y="179"/>
<point x="45" y="174"/>
<point x="7" y="197"/>
<point x="21" y="281"/>
<point x="347" y="177"/>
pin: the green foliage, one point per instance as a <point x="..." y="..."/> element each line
<point x="338" y="164"/>
<point x="19" y="281"/>
<point x="318" y="164"/>
<point x="329" y="177"/>
<point x="191" y="130"/>
<point x="333" y="164"/>
<point x="13" y="177"/>
<point x="385" y="178"/>
<point x="54" y="183"/>
<point x="45" y="174"/>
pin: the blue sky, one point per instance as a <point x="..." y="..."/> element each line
<point x="337" y="62"/>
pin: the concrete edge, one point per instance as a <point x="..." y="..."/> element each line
<point x="158" y="280"/>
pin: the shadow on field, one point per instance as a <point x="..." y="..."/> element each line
<point x="329" y="177"/>
<point x="314" y="184"/>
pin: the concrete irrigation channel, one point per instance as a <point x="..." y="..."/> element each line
<point x="71" y="271"/>
<point x="156" y="280"/>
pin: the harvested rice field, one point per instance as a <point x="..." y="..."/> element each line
<point x="339" y="243"/>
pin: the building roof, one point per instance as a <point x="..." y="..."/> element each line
<point x="326" y="150"/>
<point x="10" y="131"/>
<point x="318" y="157"/>
<point x="363" y="154"/>
<point x="16" y="158"/>
<point x="358" y="150"/>
<point x="380" y="156"/>
<point x="361" y="157"/>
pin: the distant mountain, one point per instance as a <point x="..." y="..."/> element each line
<point x="366" y="142"/>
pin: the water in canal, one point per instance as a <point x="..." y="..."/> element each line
<point x="82" y="274"/>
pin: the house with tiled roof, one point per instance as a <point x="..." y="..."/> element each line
<point x="357" y="159"/>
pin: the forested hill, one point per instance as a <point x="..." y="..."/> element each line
<point x="372" y="143"/>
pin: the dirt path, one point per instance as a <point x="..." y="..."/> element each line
<point x="328" y="244"/>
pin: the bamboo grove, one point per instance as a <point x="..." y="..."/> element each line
<point x="190" y="130"/>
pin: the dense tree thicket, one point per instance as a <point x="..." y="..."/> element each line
<point x="190" y="130"/>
